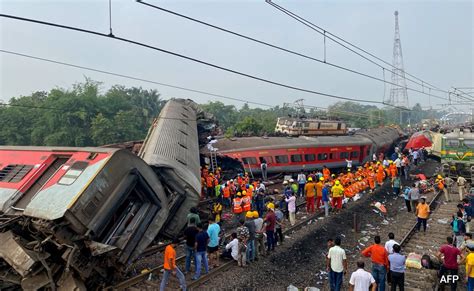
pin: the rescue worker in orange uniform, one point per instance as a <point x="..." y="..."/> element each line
<point x="246" y="202"/>
<point x="310" y="192"/>
<point x="380" y="175"/>
<point x="319" y="192"/>
<point x="326" y="173"/>
<point x="393" y="171"/>
<point x="226" y="195"/>
<point x="371" y="178"/>
<point x="237" y="207"/>
<point x="211" y="183"/>
<point x="441" y="187"/>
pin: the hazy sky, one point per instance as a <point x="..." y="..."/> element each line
<point x="437" y="41"/>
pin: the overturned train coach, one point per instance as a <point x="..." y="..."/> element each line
<point x="292" y="154"/>
<point x="74" y="218"/>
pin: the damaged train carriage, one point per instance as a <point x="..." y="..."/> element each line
<point x="74" y="217"/>
<point x="171" y="148"/>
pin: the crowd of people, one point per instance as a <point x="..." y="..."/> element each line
<point x="259" y="215"/>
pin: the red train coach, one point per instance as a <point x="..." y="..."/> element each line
<point x="286" y="154"/>
<point x="95" y="208"/>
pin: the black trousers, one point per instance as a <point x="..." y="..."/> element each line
<point x="443" y="271"/>
<point x="278" y="235"/>
<point x="398" y="279"/>
<point x="408" y="204"/>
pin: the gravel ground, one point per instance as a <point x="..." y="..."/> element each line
<point x="300" y="261"/>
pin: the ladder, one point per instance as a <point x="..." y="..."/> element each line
<point x="213" y="156"/>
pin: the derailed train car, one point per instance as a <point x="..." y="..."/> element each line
<point x="171" y="148"/>
<point x="287" y="154"/>
<point x="73" y="217"/>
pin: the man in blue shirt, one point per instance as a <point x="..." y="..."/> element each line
<point x="325" y="199"/>
<point x="202" y="238"/>
<point x="397" y="268"/>
<point x="213" y="231"/>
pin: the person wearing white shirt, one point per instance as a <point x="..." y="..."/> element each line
<point x="336" y="263"/>
<point x="390" y="243"/>
<point x="361" y="280"/>
<point x="233" y="246"/>
<point x="349" y="164"/>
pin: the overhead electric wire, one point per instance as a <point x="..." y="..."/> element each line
<point x="277" y="47"/>
<point x="195" y="60"/>
<point x="324" y="32"/>
<point x="152" y="82"/>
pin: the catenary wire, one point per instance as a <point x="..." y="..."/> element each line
<point x="309" y="23"/>
<point x="196" y="60"/>
<point x="158" y="83"/>
<point x="277" y="47"/>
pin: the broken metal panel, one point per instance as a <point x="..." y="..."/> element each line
<point x="51" y="203"/>
<point x="6" y="196"/>
<point x="15" y="255"/>
<point x="35" y="282"/>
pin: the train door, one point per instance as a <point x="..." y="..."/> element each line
<point x="361" y="154"/>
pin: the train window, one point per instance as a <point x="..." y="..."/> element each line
<point x="354" y="155"/>
<point x="469" y="143"/>
<point x="269" y="160"/>
<point x="309" y="157"/>
<point x="14" y="173"/>
<point x="249" y="161"/>
<point x="306" y="124"/>
<point x="281" y="159"/>
<point x="331" y="156"/>
<point x="296" y="158"/>
<point x="344" y="155"/>
<point x="73" y="173"/>
<point x="322" y="157"/>
<point x="452" y="142"/>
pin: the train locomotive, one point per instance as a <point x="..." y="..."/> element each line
<point x="293" y="154"/>
<point x="74" y="218"/>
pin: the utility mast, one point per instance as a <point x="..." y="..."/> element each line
<point x="398" y="91"/>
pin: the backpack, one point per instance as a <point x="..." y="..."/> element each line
<point x="455" y="226"/>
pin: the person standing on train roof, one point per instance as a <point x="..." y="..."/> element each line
<point x="319" y="193"/>
<point x="310" y="193"/>
<point x="326" y="173"/>
<point x="301" y="182"/>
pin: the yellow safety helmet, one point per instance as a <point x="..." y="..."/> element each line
<point x="360" y="178"/>
<point x="310" y="179"/>
<point x="370" y="168"/>
<point x="348" y="170"/>
<point x="321" y="179"/>
<point x="337" y="182"/>
<point x="239" y="194"/>
<point x="249" y="214"/>
<point x="440" y="177"/>
<point x="333" y="175"/>
<point x="255" y="214"/>
<point x="271" y="206"/>
<point x="244" y="193"/>
<point x="378" y="163"/>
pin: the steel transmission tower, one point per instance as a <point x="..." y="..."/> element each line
<point x="398" y="91"/>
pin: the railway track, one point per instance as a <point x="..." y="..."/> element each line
<point x="429" y="243"/>
<point x="144" y="277"/>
